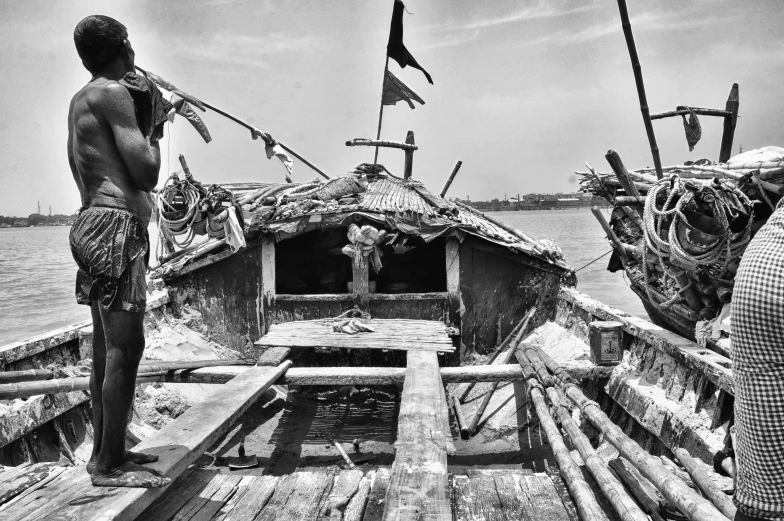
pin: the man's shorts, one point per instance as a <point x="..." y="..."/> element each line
<point x="111" y="248"/>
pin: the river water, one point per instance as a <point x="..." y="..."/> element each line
<point x="37" y="273"/>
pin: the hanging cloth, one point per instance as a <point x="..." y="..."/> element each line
<point x="692" y="127"/>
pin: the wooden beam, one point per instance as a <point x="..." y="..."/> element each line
<point x="451" y="178"/>
<point x="178" y="445"/>
<point x="682" y="111"/>
<point x="409" y="164"/>
<point x="361" y="280"/>
<point x="419" y="487"/>
<point x="733" y="103"/>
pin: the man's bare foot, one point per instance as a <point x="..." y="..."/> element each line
<point x="134" y="457"/>
<point x="130" y="475"/>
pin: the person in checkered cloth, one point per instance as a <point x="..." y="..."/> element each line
<point x="758" y="372"/>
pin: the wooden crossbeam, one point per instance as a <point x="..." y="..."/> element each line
<point x="71" y="496"/>
<point x="419" y="486"/>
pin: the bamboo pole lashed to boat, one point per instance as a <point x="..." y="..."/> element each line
<point x="624" y="178"/>
<point x="706" y="484"/>
<point x="642" y="489"/>
<point x="646" y="114"/>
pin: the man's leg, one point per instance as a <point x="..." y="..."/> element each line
<point x="124" y="340"/>
<point x="96" y="382"/>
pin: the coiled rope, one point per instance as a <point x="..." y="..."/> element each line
<point x="177" y="231"/>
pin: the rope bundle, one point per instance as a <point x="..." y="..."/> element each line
<point x="178" y="211"/>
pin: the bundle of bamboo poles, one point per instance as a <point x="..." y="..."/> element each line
<point x="545" y="376"/>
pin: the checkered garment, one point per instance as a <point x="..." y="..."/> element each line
<point x="758" y="372"/>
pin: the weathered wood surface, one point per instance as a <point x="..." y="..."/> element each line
<point x="39" y="343"/>
<point x="715" y="367"/>
<point x="22" y="417"/>
<point x="179" y="444"/>
<point x="419" y="487"/>
<point x="374" y="510"/>
<point x="403" y="334"/>
<point x="506" y="495"/>
<point x="647" y="496"/>
<point x="15" y="480"/>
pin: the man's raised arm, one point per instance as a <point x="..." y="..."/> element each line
<point x="142" y="158"/>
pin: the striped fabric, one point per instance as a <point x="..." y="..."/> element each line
<point x="758" y="371"/>
<point x="111" y="248"/>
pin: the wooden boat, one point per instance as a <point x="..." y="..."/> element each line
<point x="680" y="238"/>
<point x="477" y="328"/>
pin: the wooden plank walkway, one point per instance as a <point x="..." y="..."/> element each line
<point x="71" y="496"/>
<point x="418" y="486"/>
<point x="397" y="334"/>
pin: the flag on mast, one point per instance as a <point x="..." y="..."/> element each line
<point x="395" y="90"/>
<point x="395" y="48"/>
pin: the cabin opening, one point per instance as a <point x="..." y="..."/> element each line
<point x="312" y="263"/>
<point x="412" y="265"/>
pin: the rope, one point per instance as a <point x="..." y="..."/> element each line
<point x="596" y="259"/>
<point x="171" y="229"/>
<point x="678" y="197"/>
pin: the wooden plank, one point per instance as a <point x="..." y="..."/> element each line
<point x="544" y="498"/>
<point x="40" y="343"/>
<point x="178" y="445"/>
<point x="476" y="498"/>
<point x="355" y="510"/>
<point x="13" y="482"/>
<point x="249" y="500"/>
<point x="346" y="485"/>
<point x="30" y="414"/>
<point x="205" y="504"/>
<point x="273" y="356"/>
<point x="177" y="495"/>
<point x="396" y="334"/>
<point x="379" y="486"/>
<point x="300" y="498"/>
<point x="419" y="487"/>
<point x="507" y="486"/>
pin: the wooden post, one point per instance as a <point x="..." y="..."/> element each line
<point x="646" y="114"/>
<point x="409" y="165"/>
<point x="381" y="110"/>
<point x="267" y="297"/>
<point x="461" y="421"/>
<point x="361" y="279"/>
<point x="452" y="177"/>
<point x="732" y="106"/>
<point x="453" y="280"/>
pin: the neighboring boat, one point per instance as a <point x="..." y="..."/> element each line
<point x="680" y="238"/>
<point x="453" y="297"/>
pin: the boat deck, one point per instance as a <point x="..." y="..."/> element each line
<point x="350" y="494"/>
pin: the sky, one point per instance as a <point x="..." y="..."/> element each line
<point x="525" y="92"/>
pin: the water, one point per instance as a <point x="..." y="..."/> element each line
<point x="37" y="273"/>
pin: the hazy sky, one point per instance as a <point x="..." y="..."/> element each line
<point x="525" y="92"/>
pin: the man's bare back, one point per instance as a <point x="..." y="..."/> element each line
<point x="103" y="137"/>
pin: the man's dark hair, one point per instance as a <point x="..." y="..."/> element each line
<point x="99" y="40"/>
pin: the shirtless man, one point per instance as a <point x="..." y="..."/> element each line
<point x="115" y="165"/>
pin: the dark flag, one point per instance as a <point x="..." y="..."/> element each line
<point x="395" y="90"/>
<point x="395" y="48"/>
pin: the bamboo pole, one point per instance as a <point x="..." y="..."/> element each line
<point x="461" y="421"/>
<point x="647" y="496"/>
<point x="523" y="323"/>
<point x="624" y="178"/>
<point x="597" y="212"/>
<point x="682" y="111"/>
<point x="381" y="109"/>
<point x="451" y="178"/>
<point x="342" y="452"/>
<point x="489" y="394"/>
<point x="706" y="484"/>
<point x="646" y="114"/>
<point x="610" y="486"/>
<point x="586" y="503"/>
<point x="675" y="490"/>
